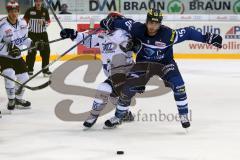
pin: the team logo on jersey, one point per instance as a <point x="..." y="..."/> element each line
<point x="19" y="41"/>
<point x="149" y="51"/>
<point x="160" y="44"/>
<point x="8" y="31"/>
<point x="109" y="47"/>
<point x="159" y="55"/>
<point x="44" y="14"/>
<point x="33" y="13"/>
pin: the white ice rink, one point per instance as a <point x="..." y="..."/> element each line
<point x="213" y="88"/>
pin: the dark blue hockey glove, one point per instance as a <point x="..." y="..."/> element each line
<point x="214" y="39"/>
<point x="68" y="33"/>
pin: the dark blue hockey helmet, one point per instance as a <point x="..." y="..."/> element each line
<point x="154" y="15"/>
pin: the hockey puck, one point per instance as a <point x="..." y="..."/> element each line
<point x="120" y="152"/>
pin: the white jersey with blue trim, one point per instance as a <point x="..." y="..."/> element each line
<point x="16" y="34"/>
<point x="109" y="44"/>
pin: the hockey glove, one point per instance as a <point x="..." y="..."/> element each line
<point x="126" y="46"/>
<point x="69" y="33"/>
<point x="106" y="23"/>
<point x="13" y="50"/>
<point x="214" y="39"/>
<point x="40" y="45"/>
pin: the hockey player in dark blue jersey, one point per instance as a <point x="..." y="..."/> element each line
<point x="155" y="43"/>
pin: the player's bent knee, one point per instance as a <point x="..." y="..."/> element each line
<point x="104" y="87"/>
<point x="23" y="77"/>
<point x="11" y="74"/>
<point x="103" y="92"/>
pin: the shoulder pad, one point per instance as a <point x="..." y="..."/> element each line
<point x="140" y="25"/>
<point x="2" y="22"/>
<point x="166" y="28"/>
<point x="139" y="28"/>
<point x="22" y="20"/>
<point x="2" y="19"/>
<point x="170" y="33"/>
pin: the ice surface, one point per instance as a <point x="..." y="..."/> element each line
<point x="213" y="92"/>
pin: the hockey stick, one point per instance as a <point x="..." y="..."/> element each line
<point x="58" y="58"/>
<point x="54" y="14"/>
<point x="34" y="47"/>
<point x="28" y="87"/>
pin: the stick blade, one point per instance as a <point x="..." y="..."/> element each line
<point x="44" y="85"/>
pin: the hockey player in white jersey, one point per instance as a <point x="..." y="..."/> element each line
<point x="13" y="37"/>
<point x="115" y="48"/>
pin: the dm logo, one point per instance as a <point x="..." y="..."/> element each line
<point x="176" y="7"/>
<point x="233" y="33"/>
<point x="236" y="7"/>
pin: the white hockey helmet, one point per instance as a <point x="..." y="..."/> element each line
<point x="12" y="5"/>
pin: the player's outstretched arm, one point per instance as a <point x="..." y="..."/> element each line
<point x="188" y="33"/>
<point x="91" y="42"/>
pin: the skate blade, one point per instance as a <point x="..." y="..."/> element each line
<point x="86" y="128"/>
<point x="186" y="131"/>
<point x="6" y="112"/>
<point x="106" y="127"/>
<point x="22" y="107"/>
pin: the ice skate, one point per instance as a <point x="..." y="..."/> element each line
<point x="22" y="104"/>
<point x="112" y="123"/>
<point x="47" y="73"/>
<point x="11" y="104"/>
<point x="184" y="121"/>
<point x="128" y="117"/>
<point x="90" y="121"/>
